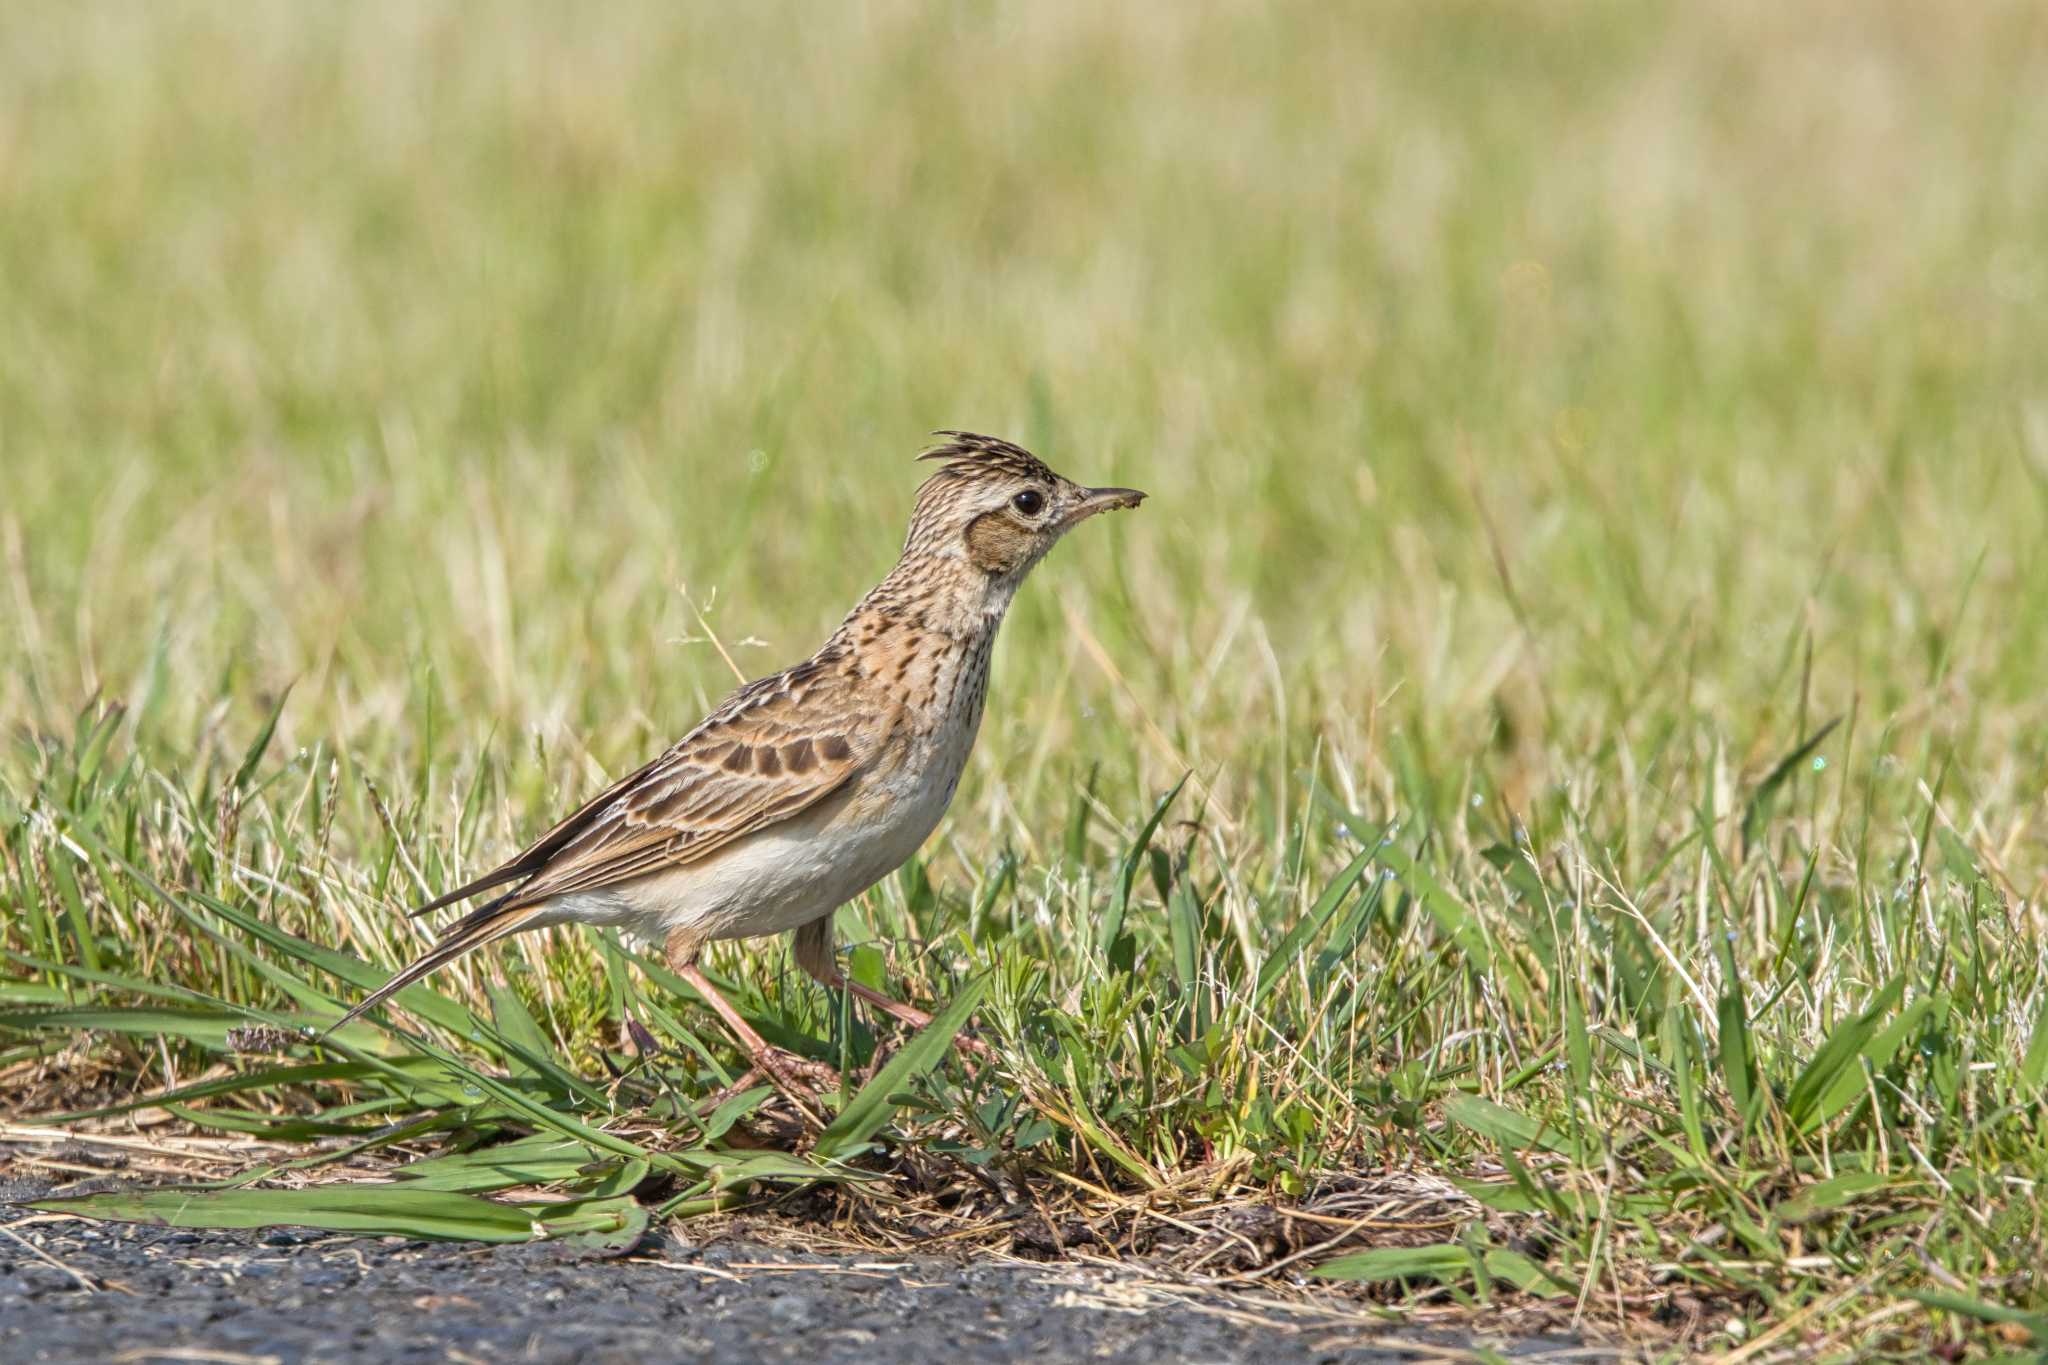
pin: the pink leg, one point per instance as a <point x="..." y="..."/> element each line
<point x="799" y="1077"/>
<point x="813" y="951"/>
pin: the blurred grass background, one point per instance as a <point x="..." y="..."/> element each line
<point x="393" y="342"/>
<point x="1554" y="414"/>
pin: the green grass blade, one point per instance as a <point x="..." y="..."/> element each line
<point x="875" y="1103"/>
<point x="1453" y="917"/>
<point x="1834" y="1074"/>
<point x="1304" y="930"/>
<point x="1184" y="938"/>
<point x="1382" y="1265"/>
<point x="253" y="755"/>
<point x="264" y="1078"/>
<point x="1827" y="1196"/>
<point x="2034" y="1066"/>
<point x="1514" y="1132"/>
<point x="1122" y="951"/>
<point x="2033" y="1323"/>
<point x="1759" y="807"/>
<point x="542" y="1159"/>
<point x="1736" y="1055"/>
<point x="1526" y="1274"/>
<point x="385" y="1210"/>
<point x="208" y="1028"/>
<point x="1848" y="1084"/>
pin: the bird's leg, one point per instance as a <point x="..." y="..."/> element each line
<point x="800" y="1077"/>
<point x="812" y="948"/>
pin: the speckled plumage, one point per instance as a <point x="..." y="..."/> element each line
<point x="806" y="787"/>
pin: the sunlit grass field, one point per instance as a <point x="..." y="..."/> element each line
<point x="1594" y="587"/>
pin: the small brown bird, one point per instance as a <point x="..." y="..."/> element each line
<point x="807" y="787"/>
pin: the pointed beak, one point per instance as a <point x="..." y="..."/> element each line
<point x="1104" y="500"/>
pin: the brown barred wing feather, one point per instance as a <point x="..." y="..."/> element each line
<point x="762" y="759"/>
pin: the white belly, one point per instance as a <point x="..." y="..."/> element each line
<point x="789" y="874"/>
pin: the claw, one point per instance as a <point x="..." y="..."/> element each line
<point x="792" y="1072"/>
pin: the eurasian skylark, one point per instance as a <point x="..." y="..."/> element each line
<point x="807" y="787"/>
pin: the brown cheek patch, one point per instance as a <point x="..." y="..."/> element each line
<point x="995" y="544"/>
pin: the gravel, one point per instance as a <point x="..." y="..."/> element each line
<point x="160" y="1294"/>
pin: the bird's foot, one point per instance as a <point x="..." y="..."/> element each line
<point x="782" y="1069"/>
<point x="974" y="1047"/>
<point x="800" y="1078"/>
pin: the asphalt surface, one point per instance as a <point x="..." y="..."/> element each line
<point x="118" y="1294"/>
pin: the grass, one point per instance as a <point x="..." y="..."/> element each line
<point x="1594" y="590"/>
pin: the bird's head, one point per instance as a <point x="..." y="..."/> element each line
<point x="998" y="508"/>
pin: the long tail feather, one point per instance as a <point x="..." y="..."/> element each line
<point x="486" y="924"/>
<point x="511" y="872"/>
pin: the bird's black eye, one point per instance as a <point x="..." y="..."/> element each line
<point x="1028" y="502"/>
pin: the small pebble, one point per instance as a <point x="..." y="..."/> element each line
<point x="291" y="1237"/>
